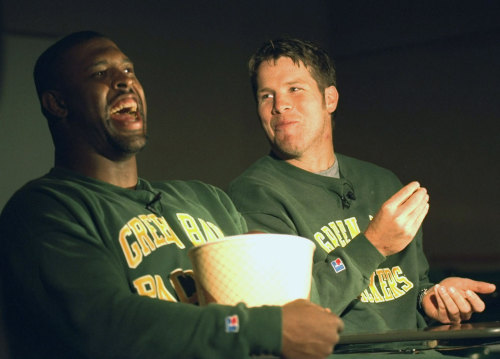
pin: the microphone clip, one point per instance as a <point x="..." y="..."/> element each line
<point x="346" y="199"/>
<point x="149" y="205"/>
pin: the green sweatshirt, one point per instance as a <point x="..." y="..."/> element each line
<point x="86" y="267"/>
<point x="370" y="292"/>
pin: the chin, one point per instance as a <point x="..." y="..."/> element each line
<point x="286" y="153"/>
<point x="130" y="146"/>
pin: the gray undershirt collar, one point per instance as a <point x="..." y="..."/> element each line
<point x="332" y="171"/>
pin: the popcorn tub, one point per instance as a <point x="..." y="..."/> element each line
<point x="257" y="269"/>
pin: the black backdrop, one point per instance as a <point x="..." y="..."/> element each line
<point x="418" y="83"/>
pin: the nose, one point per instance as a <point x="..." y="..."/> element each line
<point x="122" y="80"/>
<point x="281" y="103"/>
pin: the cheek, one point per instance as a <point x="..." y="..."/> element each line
<point x="264" y="114"/>
<point x="143" y="100"/>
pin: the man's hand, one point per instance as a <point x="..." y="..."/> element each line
<point x="309" y="330"/>
<point x="455" y="299"/>
<point x="398" y="220"/>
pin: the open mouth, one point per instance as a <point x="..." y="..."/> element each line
<point x="125" y="111"/>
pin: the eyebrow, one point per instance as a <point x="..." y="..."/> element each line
<point x="105" y="62"/>
<point x="288" y="83"/>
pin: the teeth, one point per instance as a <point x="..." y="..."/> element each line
<point x="129" y="107"/>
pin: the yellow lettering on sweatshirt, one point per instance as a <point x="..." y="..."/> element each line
<point x="373" y="289"/>
<point x="131" y="251"/>
<point x="162" y="291"/>
<point x="367" y="297"/>
<point x="320" y="238"/>
<point x="160" y="230"/>
<point x="352" y="226"/>
<point x="331" y="236"/>
<point x="386" y="284"/>
<point x="191" y="228"/>
<point x="141" y="234"/>
<point x="153" y="287"/>
<point x="144" y="234"/>
<point x="209" y="233"/>
<point x="145" y="286"/>
<point x="401" y="278"/>
<point x="393" y="285"/>
<point x="217" y="230"/>
<point x="343" y="230"/>
<point x="339" y="234"/>
<point x="198" y="235"/>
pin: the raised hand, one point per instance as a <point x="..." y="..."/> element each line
<point x="398" y="220"/>
<point x="309" y="330"/>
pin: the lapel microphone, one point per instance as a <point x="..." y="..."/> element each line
<point x="149" y="205"/>
<point x="347" y="198"/>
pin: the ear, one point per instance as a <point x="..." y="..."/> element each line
<point x="331" y="98"/>
<point x="54" y="104"/>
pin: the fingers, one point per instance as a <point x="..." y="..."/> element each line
<point x="481" y="287"/>
<point x="410" y="202"/>
<point x="309" y="330"/>
<point x="416" y="202"/>
<point x="339" y="324"/>
<point x="455" y="305"/>
<point x="413" y="211"/>
<point x="394" y="226"/>
<point x="467" y="283"/>
<point x="447" y="309"/>
<point x="404" y="193"/>
<point x="476" y="302"/>
<point x="420" y="214"/>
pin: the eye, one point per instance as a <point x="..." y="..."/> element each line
<point x="129" y="70"/>
<point x="295" y="89"/>
<point x="99" y="74"/>
<point x="265" y="96"/>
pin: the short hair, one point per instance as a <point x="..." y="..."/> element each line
<point x="47" y="69"/>
<point x="315" y="59"/>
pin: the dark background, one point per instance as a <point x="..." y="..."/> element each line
<point x="418" y="83"/>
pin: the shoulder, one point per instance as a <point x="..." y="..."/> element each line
<point x="30" y="196"/>
<point x="362" y="174"/>
<point x="353" y="166"/>
<point x="38" y="206"/>
<point x="267" y="172"/>
<point x="187" y="188"/>
<point x="262" y="168"/>
<point x="195" y="192"/>
<point x="257" y="179"/>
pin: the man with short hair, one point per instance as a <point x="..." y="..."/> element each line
<point x="369" y="266"/>
<point x="90" y="250"/>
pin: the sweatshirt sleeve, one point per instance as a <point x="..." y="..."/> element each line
<point x="339" y="288"/>
<point x="68" y="293"/>
<point x="229" y="205"/>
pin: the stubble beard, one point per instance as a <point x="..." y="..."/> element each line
<point x="285" y="150"/>
<point x="128" y="145"/>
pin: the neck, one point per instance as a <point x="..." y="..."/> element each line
<point x="121" y="173"/>
<point x="313" y="162"/>
<point x="314" y="165"/>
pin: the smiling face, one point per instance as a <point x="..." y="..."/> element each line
<point x="294" y="113"/>
<point x="104" y="107"/>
